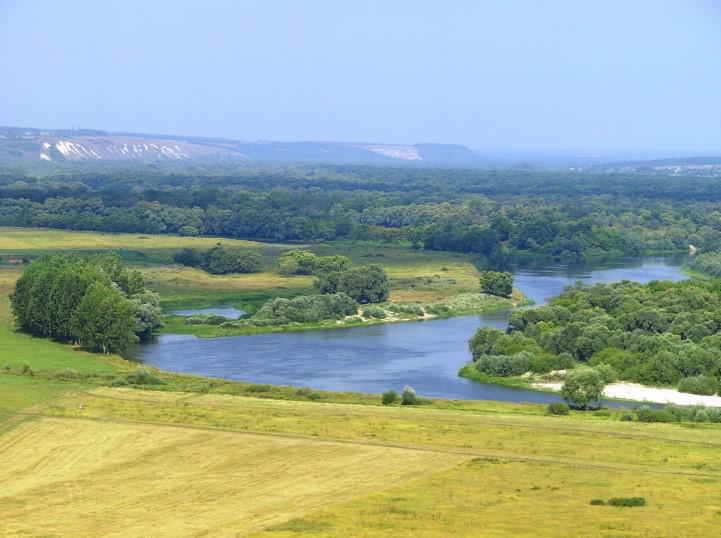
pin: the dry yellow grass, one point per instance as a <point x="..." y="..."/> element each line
<point x="74" y="477"/>
<point x="124" y="462"/>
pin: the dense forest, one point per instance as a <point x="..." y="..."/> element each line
<point x="661" y="333"/>
<point x="496" y="215"/>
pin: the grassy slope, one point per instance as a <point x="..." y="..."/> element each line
<point x="350" y="470"/>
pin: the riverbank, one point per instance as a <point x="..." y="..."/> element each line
<point x="643" y="393"/>
<point x="459" y="305"/>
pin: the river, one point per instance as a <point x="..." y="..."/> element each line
<point x="372" y="359"/>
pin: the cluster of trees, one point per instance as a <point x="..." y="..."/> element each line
<point x="365" y="284"/>
<point x="499" y="283"/>
<point x="661" y="333"/>
<point x="498" y="216"/>
<point x="708" y="263"/>
<point x="219" y="261"/>
<point x="307" y="309"/>
<point x="92" y="301"/>
<point x="304" y="262"/>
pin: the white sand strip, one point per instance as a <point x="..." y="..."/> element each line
<point x="642" y="393"/>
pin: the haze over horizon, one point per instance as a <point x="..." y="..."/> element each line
<point x="569" y="76"/>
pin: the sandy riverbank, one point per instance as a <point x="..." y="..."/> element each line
<point x="642" y="393"/>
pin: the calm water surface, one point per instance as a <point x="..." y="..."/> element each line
<point x="225" y="311"/>
<point x="373" y="359"/>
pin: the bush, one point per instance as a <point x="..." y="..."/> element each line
<point x="582" y="387"/>
<point x="496" y="283"/>
<point x="373" y="311"/>
<point x="305" y="309"/>
<point x="314" y="396"/>
<point x="598" y="502"/>
<point x="626" y="417"/>
<point x="389" y="397"/>
<point x="700" y="384"/>
<point x="558" y="408"/>
<point x="627" y="501"/>
<point x="406" y="308"/>
<point x="608" y="374"/>
<point x="368" y="284"/>
<point x="27" y="370"/>
<point x="646" y="414"/>
<point x="408" y="396"/>
<point x="143" y="377"/>
<point x="188" y="231"/>
<point x="505" y="365"/>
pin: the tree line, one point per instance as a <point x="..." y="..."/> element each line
<point x="499" y="216"/>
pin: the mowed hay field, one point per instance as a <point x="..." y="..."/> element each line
<point x="88" y="478"/>
<point x="123" y="462"/>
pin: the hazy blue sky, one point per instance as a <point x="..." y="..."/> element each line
<point x="606" y="74"/>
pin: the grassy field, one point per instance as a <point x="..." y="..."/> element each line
<point x="138" y="463"/>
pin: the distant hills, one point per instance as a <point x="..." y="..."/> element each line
<point x="58" y="145"/>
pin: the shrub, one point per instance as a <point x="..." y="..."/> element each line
<point x="258" y="388"/>
<point x="646" y="414"/>
<point x="27" y="370"/>
<point x="496" y="283"/>
<point x="627" y="501"/>
<point x="188" y="231"/>
<point x="407" y="308"/>
<point x="701" y="416"/>
<point x="305" y="309"/>
<point x="582" y="387"/>
<point x="505" y="365"/>
<point x="626" y="417"/>
<point x="389" y="397"/>
<point x="408" y="396"/>
<point x="314" y="396"/>
<point x="367" y="284"/>
<point x="598" y="502"/>
<point x="608" y="374"/>
<point x="143" y="377"/>
<point x="558" y="408"/>
<point x="373" y="311"/>
<point x="699" y="384"/>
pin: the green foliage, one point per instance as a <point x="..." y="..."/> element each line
<point x="505" y="365"/>
<point x="708" y="263"/>
<point x="305" y="309"/>
<point x="496" y="283"/>
<point x="219" y="261"/>
<point x="304" y="262"/>
<point x="646" y="414"/>
<point x="598" y="502"/>
<point x="699" y="384"/>
<point x="656" y="334"/>
<point x="104" y="320"/>
<point x="366" y="284"/>
<point x="297" y="262"/>
<point x="582" y="387"/>
<point x="91" y="300"/>
<point x="607" y="373"/>
<point x="143" y="377"/>
<point x="389" y="397"/>
<point x="558" y="408"/>
<point x="372" y="311"/>
<point x="406" y="308"/>
<point x="408" y="396"/>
